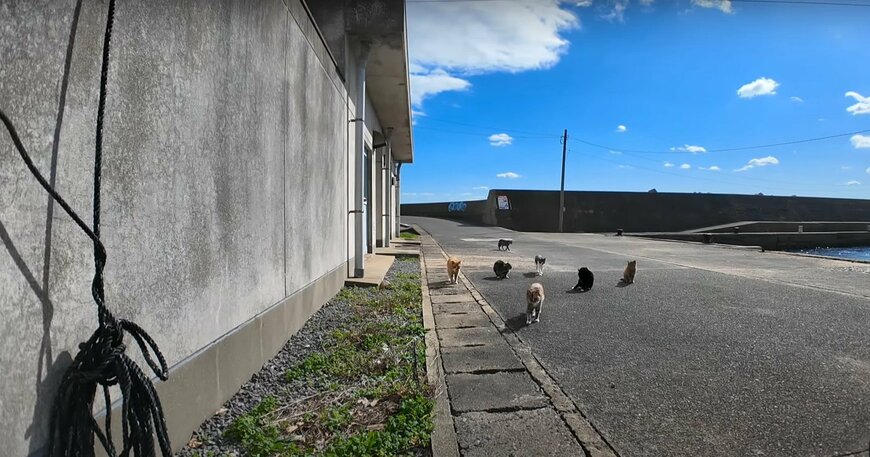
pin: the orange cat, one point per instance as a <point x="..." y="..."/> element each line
<point x="453" y="264"/>
<point x="630" y="270"/>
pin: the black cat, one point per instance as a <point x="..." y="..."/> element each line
<point x="585" y="279"/>
<point x="501" y="269"/>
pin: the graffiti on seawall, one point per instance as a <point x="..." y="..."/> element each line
<point x="456" y="207"/>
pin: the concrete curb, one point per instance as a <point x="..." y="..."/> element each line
<point x="443" y="442"/>
<point x="593" y="444"/>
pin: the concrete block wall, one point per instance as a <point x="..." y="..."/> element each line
<point x="660" y="212"/>
<point x="537" y="210"/>
<point x="225" y="192"/>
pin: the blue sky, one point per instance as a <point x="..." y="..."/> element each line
<point x="494" y="83"/>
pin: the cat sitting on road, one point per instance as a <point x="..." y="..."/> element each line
<point x="539" y="264"/>
<point x="506" y="244"/>
<point x="453" y="264"/>
<point x="585" y="279"/>
<point x="534" y="302"/>
<point x="630" y="270"/>
<point x="501" y="269"/>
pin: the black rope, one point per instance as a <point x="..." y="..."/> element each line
<point x="101" y="360"/>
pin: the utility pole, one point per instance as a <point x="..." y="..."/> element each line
<point x="562" y="188"/>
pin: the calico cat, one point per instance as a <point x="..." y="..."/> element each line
<point x="506" y="244"/>
<point x="502" y="269"/>
<point x="585" y="279"/>
<point x="534" y="302"/>
<point x="630" y="270"/>
<point x="539" y="264"/>
<point x="453" y="264"/>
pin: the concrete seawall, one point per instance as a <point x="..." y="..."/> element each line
<point x="774" y="241"/>
<point x="845" y="220"/>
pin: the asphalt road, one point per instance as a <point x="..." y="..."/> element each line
<point x="713" y="351"/>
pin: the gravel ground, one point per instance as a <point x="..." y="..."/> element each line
<point x="270" y="379"/>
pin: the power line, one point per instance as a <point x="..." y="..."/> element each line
<point x="775" y="2"/>
<point x="797" y="2"/>
<point x="480" y="134"/>
<point x="771" y="182"/>
<point x="540" y="134"/>
<point x="455" y="1"/>
<point x="740" y="148"/>
<point x="500" y="129"/>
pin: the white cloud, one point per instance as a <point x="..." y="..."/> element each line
<point x="853" y="183"/>
<point x="868" y="170"/>
<point x="860" y="141"/>
<point x="846" y="167"/>
<point x="614" y="152"/>
<point x="761" y="86"/>
<point x="689" y="148"/>
<point x="415" y="114"/>
<point x="712" y="168"/>
<point x="616" y="11"/>
<point x="863" y="105"/>
<point x="722" y="5"/>
<point x="646" y="2"/>
<point x="796" y="99"/>
<point x="685" y="166"/>
<point x="760" y="162"/>
<point x="624" y="167"/>
<point x="426" y="84"/>
<point x="478" y="37"/>
<point x="500" y="139"/>
<point x="621" y="128"/>
<point x="508" y="174"/>
<point x="451" y="40"/>
<point x="480" y="188"/>
<point x="668" y="165"/>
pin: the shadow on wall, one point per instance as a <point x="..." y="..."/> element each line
<point x="49" y="371"/>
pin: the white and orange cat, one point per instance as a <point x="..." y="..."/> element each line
<point x="534" y="302"/>
<point x="453" y="264"/>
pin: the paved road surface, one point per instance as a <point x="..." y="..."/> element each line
<point x="713" y="351"/>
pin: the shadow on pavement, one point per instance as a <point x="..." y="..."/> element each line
<point x="517" y="322"/>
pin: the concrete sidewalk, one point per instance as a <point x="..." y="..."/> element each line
<point x="493" y="397"/>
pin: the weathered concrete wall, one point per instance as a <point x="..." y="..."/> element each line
<point x="660" y="212"/>
<point x="774" y="241"/>
<point x="472" y="211"/>
<point x="537" y="211"/>
<point x="224" y="184"/>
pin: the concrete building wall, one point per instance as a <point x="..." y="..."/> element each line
<point x="227" y="186"/>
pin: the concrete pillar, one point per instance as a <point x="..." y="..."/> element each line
<point x="378" y="171"/>
<point x="398" y="205"/>
<point x="359" y="172"/>
<point x="388" y="194"/>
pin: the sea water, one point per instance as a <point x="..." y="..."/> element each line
<point x="856" y="253"/>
